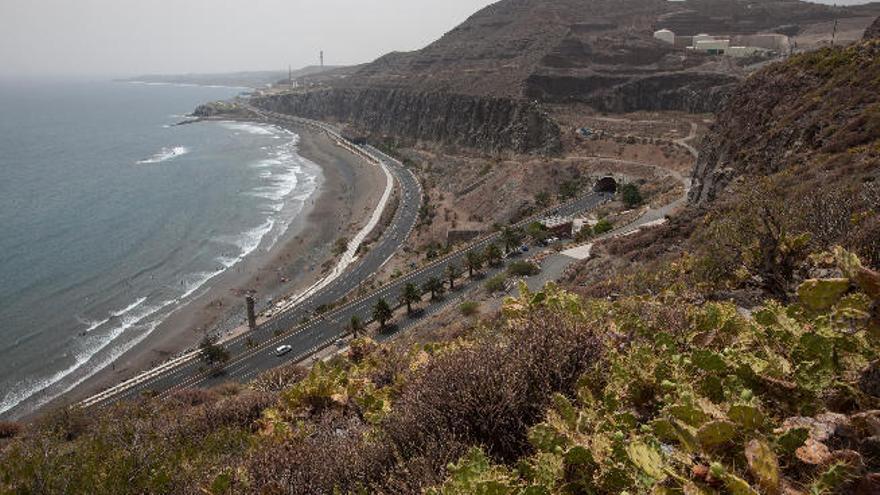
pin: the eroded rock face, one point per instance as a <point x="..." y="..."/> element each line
<point x="685" y="92"/>
<point x="489" y="124"/>
<point x="873" y="31"/>
<point x="795" y="114"/>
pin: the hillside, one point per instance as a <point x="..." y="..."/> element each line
<point x="873" y="30"/>
<point x="817" y="116"/>
<point x="532" y="52"/>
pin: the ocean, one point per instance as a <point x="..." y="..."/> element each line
<point x="111" y="217"/>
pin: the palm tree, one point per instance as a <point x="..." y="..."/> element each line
<point x="493" y="254"/>
<point x="435" y="286"/>
<point x="452" y="273"/>
<point x="410" y="295"/>
<point x="382" y="312"/>
<point x="356" y="325"/>
<point x="510" y="238"/>
<point x="474" y="262"/>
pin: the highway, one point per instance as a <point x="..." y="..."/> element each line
<point x="298" y="327"/>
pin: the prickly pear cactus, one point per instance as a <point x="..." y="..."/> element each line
<point x="716" y="433"/>
<point x="746" y="416"/>
<point x="647" y="459"/>
<point x="822" y="294"/>
<point x="763" y="465"/>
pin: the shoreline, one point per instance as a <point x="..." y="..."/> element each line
<point x="347" y="189"/>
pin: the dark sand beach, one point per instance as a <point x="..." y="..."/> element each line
<point x="348" y="191"/>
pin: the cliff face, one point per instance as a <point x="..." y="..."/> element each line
<point x="682" y="91"/>
<point x="873" y="30"/>
<point x="816" y="116"/>
<point x="491" y="124"/>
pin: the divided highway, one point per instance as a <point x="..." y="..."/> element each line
<point x="254" y="353"/>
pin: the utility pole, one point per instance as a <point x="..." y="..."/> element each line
<point x="834" y="33"/>
<point x="322" y="59"/>
<point x="290" y="76"/>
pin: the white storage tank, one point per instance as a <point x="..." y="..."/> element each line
<point x="665" y="35"/>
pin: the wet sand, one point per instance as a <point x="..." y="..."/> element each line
<point x="347" y="192"/>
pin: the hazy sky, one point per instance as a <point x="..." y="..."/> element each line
<point x="132" y="37"/>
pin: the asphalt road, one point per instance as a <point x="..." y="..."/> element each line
<point x="254" y="353"/>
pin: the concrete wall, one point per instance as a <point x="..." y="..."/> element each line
<point x="743" y="51"/>
<point x="706" y="45"/>
<point x="776" y="42"/>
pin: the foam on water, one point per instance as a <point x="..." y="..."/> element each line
<point x="95" y="344"/>
<point x="165" y="154"/>
<point x="258" y="129"/>
<point x="94" y="325"/>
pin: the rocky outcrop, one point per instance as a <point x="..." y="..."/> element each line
<point x="686" y="92"/>
<point x="818" y="113"/>
<point x="488" y="124"/>
<point x="873" y="31"/>
<point x="217" y="109"/>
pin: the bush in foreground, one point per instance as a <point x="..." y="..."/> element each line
<point x="709" y="403"/>
<point x="9" y="429"/>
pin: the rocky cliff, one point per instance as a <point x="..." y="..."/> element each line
<point x="487" y="123"/>
<point x="873" y="30"/>
<point x="692" y="92"/>
<point x="816" y="116"/>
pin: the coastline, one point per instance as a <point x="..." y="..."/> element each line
<point x="347" y="190"/>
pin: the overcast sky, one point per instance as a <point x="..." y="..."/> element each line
<point x="133" y="37"/>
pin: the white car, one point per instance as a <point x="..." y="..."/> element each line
<point x="282" y="350"/>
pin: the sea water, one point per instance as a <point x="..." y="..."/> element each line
<point x="111" y="217"/>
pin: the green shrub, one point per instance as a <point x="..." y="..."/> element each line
<point x="522" y="269"/>
<point x="630" y="195"/>
<point x="495" y="284"/>
<point x="469" y="308"/>
<point x="604" y="226"/>
<point x="340" y="246"/>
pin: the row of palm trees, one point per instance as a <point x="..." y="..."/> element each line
<point x="473" y="262"/>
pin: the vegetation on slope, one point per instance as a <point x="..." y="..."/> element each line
<point x="701" y="399"/>
<point x="559" y="395"/>
<point x="816" y="116"/>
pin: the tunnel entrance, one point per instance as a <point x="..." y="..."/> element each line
<point x="606" y="185"/>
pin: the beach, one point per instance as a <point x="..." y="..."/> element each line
<point x="347" y="192"/>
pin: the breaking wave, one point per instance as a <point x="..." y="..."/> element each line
<point x="165" y="155"/>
